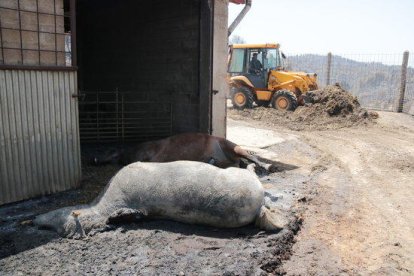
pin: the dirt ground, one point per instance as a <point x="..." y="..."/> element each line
<point x="328" y="108"/>
<point x="362" y="219"/>
<point x="359" y="217"/>
<point x="347" y="193"/>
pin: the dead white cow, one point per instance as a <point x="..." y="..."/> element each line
<point x="184" y="191"/>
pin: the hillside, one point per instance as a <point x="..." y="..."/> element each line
<point x="374" y="83"/>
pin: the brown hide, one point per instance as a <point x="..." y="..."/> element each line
<point x="188" y="146"/>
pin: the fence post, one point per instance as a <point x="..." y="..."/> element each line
<point x="328" y="70"/>
<point x="400" y="103"/>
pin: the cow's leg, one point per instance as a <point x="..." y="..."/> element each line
<point x="125" y="215"/>
<point x="235" y="152"/>
<point x="244" y="154"/>
<point x="221" y="158"/>
<point x="251" y="167"/>
<point x="79" y="231"/>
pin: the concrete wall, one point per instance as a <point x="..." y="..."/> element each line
<point x="21" y="27"/>
<point x="220" y="86"/>
<point x="151" y="48"/>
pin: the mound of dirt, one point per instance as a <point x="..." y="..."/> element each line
<point x="329" y="108"/>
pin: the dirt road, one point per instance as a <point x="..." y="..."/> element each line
<point x="360" y="214"/>
<point x="362" y="219"/>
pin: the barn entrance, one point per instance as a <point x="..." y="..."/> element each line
<point x="144" y="69"/>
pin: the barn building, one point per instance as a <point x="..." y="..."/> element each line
<point x="76" y="72"/>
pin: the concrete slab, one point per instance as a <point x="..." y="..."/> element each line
<point x="258" y="140"/>
<point x="252" y="137"/>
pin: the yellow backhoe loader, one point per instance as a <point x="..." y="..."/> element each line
<point x="256" y="75"/>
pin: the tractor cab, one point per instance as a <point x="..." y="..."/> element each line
<point x="257" y="76"/>
<point x="254" y="62"/>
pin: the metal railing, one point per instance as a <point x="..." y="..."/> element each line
<point x="115" y="116"/>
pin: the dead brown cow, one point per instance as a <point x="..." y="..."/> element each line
<point x="188" y="146"/>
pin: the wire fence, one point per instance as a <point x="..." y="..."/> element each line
<point x="374" y="78"/>
<point x="35" y="33"/>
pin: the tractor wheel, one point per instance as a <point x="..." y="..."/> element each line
<point x="284" y="100"/>
<point x="262" y="103"/>
<point x="242" y="98"/>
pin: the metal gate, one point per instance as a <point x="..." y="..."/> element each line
<point x="121" y="116"/>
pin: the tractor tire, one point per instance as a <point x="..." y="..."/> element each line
<point x="284" y="100"/>
<point x="262" y="103"/>
<point x="242" y="98"/>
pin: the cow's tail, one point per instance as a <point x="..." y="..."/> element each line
<point x="270" y="221"/>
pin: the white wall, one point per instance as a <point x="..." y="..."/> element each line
<point x="220" y="68"/>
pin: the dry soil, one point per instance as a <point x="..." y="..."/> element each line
<point x="362" y="219"/>
<point x="360" y="216"/>
<point x="329" y="108"/>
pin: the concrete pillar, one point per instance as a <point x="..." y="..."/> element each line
<point x="220" y="85"/>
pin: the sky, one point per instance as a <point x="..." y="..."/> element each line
<point x="337" y="26"/>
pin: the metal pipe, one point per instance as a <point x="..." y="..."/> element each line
<point x="240" y="17"/>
